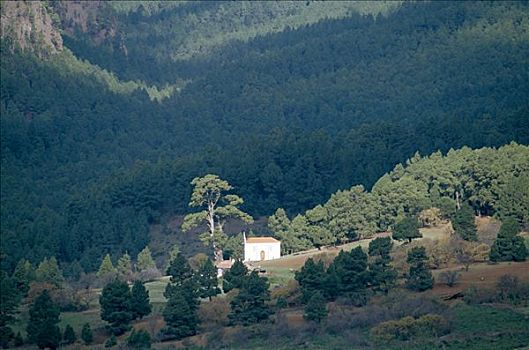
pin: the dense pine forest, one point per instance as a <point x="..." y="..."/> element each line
<point x="288" y="116"/>
<point x="328" y="124"/>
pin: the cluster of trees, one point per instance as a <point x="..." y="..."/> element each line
<point x="458" y="185"/>
<point x="187" y="286"/>
<point x="86" y="170"/>
<point x="120" y="305"/>
<point x="144" y="269"/>
<point x="353" y="276"/>
<point x="42" y="328"/>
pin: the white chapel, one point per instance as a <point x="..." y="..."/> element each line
<point x="261" y="248"/>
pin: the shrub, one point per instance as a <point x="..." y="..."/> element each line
<point x="86" y="334"/>
<point x="112" y="341"/>
<point x="449" y="277"/>
<point x="149" y="274"/>
<point x="430" y="325"/>
<point x="139" y="340"/>
<point x="214" y="314"/>
<point x="316" y="308"/>
<point x="510" y="289"/>
<point x="474" y="295"/>
<point x="69" y="336"/>
<point x="281" y="303"/>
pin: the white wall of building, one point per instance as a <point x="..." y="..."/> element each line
<point x="256" y="251"/>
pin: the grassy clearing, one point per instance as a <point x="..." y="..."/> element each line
<point x="156" y="289"/>
<point x="279" y="276"/>
<point x="78" y="319"/>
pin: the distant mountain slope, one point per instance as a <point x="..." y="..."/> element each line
<point x="170" y="34"/>
<point x="427" y="59"/>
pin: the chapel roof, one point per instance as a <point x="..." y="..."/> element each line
<point x="261" y="240"/>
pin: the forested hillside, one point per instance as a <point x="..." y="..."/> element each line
<point x="490" y="181"/>
<point x="288" y="111"/>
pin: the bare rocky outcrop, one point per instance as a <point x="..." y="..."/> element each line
<point x="31" y="26"/>
<point x="92" y="17"/>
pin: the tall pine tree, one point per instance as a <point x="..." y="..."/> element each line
<point x="352" y="275"/>
<point x="383" y="275"/>
<point x="9" y="301"/>
<point x="316" y="308"/>
<point x="234" y="277"/>
<point x="145" y="260"/>
<point x="180" y="314"/>
<point x="115" y="302"/>
<point x="311" y="278"/>
<point x="464" y="224"/>
<point x="407" y="229"/>
<point x="207" y="282"/>
<point x="139" y="301"/>
<point x="106" y="268"/>
<point x="249" y="306"/>
<point x="419" y="277"/>
<point x="42" y="326"/>
<point x="508" y="246"/>
<point x="124" y="267"/>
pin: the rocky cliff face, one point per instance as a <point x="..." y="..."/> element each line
<point x="92" y="17"/>
<point x="31" y="26"/>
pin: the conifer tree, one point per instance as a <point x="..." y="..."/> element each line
<point x="115" y="302"/>
<point x="18" y="340"/>
<point x="332" y="283"/>
<point x="508" y="246"/>
<point x="419" y="276"/>
<point x="145" y="260"/>
<point x="208" y="284"/>
<point x="42" y="326"/>
<point x="464" y="224"/>
<point x="24" y="274"/>
<point x="86" y="334"/>
<point x="48" y="271"/>
<point x="234" y="277"/>
<point x="180" y="315"/>
<point x="316" y="308"/>
<point x="279" y="223"/>
<point x="209" y="193"/>
<point x="124" y="267"/>
<point x="407" y="229"/>
<point x="182" y="280"/>
<point x="9" y="301"/>
<point x="106" y="268"/>
<point x="353" y="276"/>
<point x="69" y="336"/>
<point x="249" y="306"/>
<point x="139" y="340"/>
<point x="519" y="249"/>
<point x="281" y="226"/>
<point x="383" y="275"/>
<point x="311" y="278"/>
<point x="111" y="342"/>
<point x="173" y="252"/>
<point x="179" y="270"/>
<point x="139" y="301"/>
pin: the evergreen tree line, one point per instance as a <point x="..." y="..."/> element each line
<point x="354" y="276"/>
<point x="461" y="184"/>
